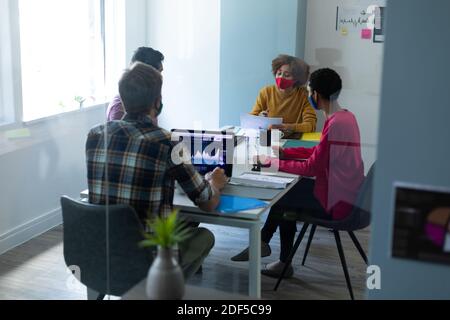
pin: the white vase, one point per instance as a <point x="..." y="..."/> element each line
<point x="165" y="280"/>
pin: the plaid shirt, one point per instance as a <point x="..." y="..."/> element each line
<point x="140" y="170"/>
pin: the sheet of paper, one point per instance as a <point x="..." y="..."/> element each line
<point x="18" y="133"/>
<point x="249" y="121"/>
<point x="350" y="19"/>
<point x="266" y="178"/>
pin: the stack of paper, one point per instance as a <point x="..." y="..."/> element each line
<point x="261" y="181"/>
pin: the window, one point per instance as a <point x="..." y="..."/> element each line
<point x="62" y="56"/>
<point x="58" y="56"/>
<point x="6" y="74"/>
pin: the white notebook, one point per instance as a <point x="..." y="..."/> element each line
<point x="261" y="180"/>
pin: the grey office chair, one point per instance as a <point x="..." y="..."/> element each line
<point x="111" y="270"/>
<point x="358" y="219"/>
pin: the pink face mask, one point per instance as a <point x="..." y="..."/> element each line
<point x="284" y="84"/>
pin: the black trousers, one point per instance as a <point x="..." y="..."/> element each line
<point x="299" y="198"/>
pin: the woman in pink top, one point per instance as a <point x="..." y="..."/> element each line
<point x="335" y="163"/>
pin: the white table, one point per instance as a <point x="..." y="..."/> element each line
<point x="250" y="219"/>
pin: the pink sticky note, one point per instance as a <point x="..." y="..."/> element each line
<point x="366" y="34"/>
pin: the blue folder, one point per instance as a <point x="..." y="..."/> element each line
<point x="234" y="204"/>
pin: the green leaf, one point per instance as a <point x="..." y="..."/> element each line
<point x="165" y="232"/>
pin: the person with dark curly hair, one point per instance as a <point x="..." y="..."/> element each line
<point x="288" y="97"/>
<point x="147" y="55"/>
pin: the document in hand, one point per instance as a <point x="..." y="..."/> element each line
<point x="261" y="181"/>
<point x="249" y="121"/>
<point x="234" y="204"/>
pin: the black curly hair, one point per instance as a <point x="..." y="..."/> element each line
<point x="148" y="56"/>
<point x="326" y="82"/>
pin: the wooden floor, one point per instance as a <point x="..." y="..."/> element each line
<point x="36" y="269"/>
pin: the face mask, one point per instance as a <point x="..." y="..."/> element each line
<point x="158" y="112"/>
<point x="284" y="84"/>
<point x="313" y="102"/>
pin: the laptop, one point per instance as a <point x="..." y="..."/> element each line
<point x="208" y="149"/>
<point x="249" y="121"/>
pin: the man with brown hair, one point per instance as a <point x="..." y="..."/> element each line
<point x="137" y="168"/>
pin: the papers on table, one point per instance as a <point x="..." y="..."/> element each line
<point x="249" y="121"/>
<point x="261" y="181"/>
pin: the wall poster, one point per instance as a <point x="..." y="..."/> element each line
<point x="422" y="223"/>
<point x="365" y="21"/>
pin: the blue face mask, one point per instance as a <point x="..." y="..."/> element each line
<point x="313" y="103"/>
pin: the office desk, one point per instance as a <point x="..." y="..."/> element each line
<point x="249" y="219"/>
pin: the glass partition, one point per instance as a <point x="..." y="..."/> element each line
<point x="61" y="64"/>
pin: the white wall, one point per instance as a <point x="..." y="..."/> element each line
<point x="252" y="34"/>
<point x="136" y="26"/>
<point x="359" y="62"/>
<point x="36" y="170"/>
<point x="187" y="32"/>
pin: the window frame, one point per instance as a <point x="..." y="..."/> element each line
<point x="10" y="102"/>
<point x="13" y="113"/>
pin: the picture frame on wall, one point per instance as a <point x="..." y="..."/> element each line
<point x="421" y="223"/>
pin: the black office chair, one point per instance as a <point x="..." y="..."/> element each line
<point x="106" y="267"/>
<point x="358" y="219"/>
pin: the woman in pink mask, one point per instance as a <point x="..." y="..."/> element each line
<point x="336" y="164"/>
<point x="288" y="97"/>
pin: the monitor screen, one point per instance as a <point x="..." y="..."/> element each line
<point x="208" y="149"/>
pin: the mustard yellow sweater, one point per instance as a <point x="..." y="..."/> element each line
<point x="294" y="107"/>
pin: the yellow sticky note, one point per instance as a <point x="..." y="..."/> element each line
<point x="344" y="31"/>
<point x="311" y="136"/>
<point x="18" y="133"/>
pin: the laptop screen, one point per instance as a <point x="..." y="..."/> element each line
<point x="208" y="149"/>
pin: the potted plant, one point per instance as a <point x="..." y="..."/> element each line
<point x="165" y="278"/>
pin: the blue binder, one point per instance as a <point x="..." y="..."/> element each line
<point x="234" y="204"/>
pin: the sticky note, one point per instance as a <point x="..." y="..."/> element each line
<point x="344" y="31"/>
<point x="366" y="34"/>
<point x="18" y="133"/>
